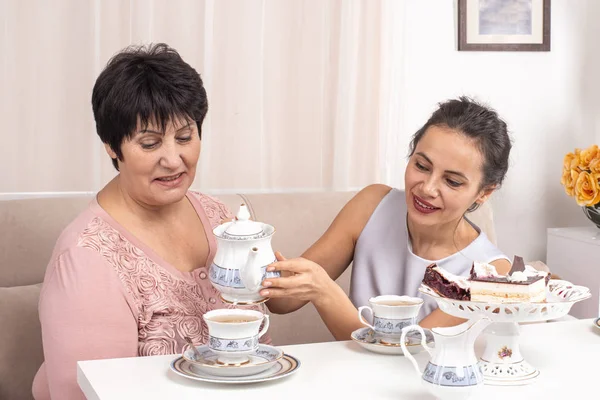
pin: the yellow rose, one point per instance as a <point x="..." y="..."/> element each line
<point x="587" y="156"/>
<point x="587" y="189"/>
<point x="595" y="166"/>
<point x="570" y="172"/>
<point x="571" y="160"/>
<point x="568" y="180"/>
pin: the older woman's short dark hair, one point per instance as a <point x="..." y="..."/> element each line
<point x="151" y="84"/>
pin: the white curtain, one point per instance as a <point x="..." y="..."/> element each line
<point x="303" y="94"/>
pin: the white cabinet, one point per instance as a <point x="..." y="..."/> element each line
<point x="574" y="255"/>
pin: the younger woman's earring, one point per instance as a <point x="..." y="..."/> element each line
<point x="473" y="207"/>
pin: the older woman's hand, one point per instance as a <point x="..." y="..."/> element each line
<point x="301" y="279"/>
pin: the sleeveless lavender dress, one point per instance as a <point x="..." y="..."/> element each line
<point x="385" y="264"/>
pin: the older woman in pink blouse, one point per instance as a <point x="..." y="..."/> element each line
<point x="129" y="276"/>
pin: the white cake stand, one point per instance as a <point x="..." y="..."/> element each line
<point x="502" y="362"/>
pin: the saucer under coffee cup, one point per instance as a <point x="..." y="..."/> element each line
<point x="233" y="334"/>
<point x="390" y="314"/>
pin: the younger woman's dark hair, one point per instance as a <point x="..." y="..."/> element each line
<point x="484" y="126"/>
<point x="151" y="84"/>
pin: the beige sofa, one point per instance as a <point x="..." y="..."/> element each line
<point x="30" y="227"/>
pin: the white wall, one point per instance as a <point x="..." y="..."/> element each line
<point x="550" y="100"/>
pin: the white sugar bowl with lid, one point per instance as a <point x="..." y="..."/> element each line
<point x="243" y="254"/>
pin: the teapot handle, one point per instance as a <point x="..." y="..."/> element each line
<point x="407" y="354"/>
<point x="251" y="275"/>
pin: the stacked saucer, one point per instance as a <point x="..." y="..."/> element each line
<point x="369" y="340"/>
<point x="265" y="364"/>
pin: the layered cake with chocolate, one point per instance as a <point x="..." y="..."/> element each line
<point x="446" y="284"/>
<point x="522" y="284"/>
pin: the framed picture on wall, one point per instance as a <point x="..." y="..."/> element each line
<point x="504" y="25"/>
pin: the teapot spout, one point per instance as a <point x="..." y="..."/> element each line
<point x="250" y="273"/>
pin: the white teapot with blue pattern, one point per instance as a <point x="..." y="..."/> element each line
<point x="243" y="254"/>
<point x="453" y="372"/>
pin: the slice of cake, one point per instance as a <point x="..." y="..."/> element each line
<point x="445" y="283"/>
<point x="522" y="284"/>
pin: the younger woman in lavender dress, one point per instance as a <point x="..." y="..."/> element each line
<point x="457" y="160"/>
<point x="129" y="276"/>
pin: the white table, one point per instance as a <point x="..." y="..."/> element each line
<point x="574" y="255"/>
<point x="567" y="353"/>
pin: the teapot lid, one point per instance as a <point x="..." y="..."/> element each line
<point x="242" y="225"/>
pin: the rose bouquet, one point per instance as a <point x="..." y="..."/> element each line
<point x="581" y="179"/>
<point x="581" y="176"/>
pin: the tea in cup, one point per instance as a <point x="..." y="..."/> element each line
<point x="390" y="314"/>
<point x="233" y="334"/>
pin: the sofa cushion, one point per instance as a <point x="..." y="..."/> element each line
<point x="20" y="341"/>
<point x="29" y="232"/>
<point x="299" y="218"/>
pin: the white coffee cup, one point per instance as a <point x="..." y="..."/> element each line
<point x="390" y="314"/>
<point x="234" y="333"/>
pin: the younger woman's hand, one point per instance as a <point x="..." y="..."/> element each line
<point x="300" y="279"/>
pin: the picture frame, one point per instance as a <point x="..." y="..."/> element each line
<point x="504" y="25"/>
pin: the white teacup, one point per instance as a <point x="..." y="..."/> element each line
<point x="233" y="334"/>
<point x="390" y="314"/>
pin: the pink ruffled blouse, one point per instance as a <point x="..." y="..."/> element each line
<point x="107" y="295"/>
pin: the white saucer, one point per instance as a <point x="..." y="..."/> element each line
<point x="597" y="323"/>
<point x="264" y="358"/>
<point x="363" y="337"/>
<point x="285" y="366"/>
